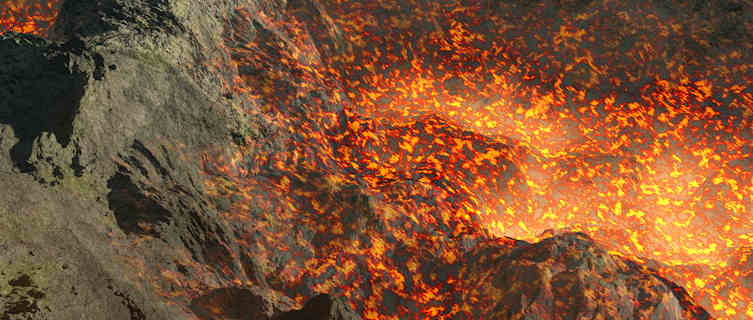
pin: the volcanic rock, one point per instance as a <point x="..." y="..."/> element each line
<point x="569" y="276"/>
<point x="321" y="307"/>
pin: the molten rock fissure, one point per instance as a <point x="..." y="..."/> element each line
<point x="273" y="159"/>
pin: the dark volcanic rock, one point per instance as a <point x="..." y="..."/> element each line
<point x="242" y="303"/>
<point x="230" y="303"/>
<point x="570" y="277"/>
<point x="43" y="123"/>
<point x="321" y="307"/>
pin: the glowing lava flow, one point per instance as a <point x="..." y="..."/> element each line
<point x="523" y="118"/>
<point x="653" y="161"/>
<point x="23" y="16"/>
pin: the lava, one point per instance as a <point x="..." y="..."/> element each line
<point x="652" y="161"/>
<point x="23" y="16"/>
<point x="465" y="120"/>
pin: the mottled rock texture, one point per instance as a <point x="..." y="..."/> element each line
<point x="102" y="129"/>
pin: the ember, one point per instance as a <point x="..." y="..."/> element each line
<point x="450" y="125"/>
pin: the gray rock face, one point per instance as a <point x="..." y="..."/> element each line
<point x="321" y="307"/>
<point x="99" y="133"/>
<point x="101" y="137"/>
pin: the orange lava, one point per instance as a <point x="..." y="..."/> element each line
<point x="648" y="153"/>
<point x="463" y="121"/>
<point x="526" y="130"/>
<point x="25" y="16"/>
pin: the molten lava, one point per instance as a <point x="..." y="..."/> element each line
<point x="24" y="16"/>
<point x="471" y="119"/>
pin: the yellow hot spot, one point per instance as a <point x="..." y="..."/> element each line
<point x="449" y="256"/>
<point x="649" y="189"/>
<point x="284" y="182"/>
<point x="634" y="239"/>
<point x="602" y="207"/>
<point x="636" y="213"/>
<point x="615" y="253"/>
<point x="523" y="226"/>
<point x="371" y="314"/>
<point x="706" y="251"/>
<point x="549" y="214"/>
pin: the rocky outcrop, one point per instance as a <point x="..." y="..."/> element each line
<point x="322" y="307"/>
<point x="240" y="303"/>
<point x="101" y="136"/>
<point x="569" y="276"/>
